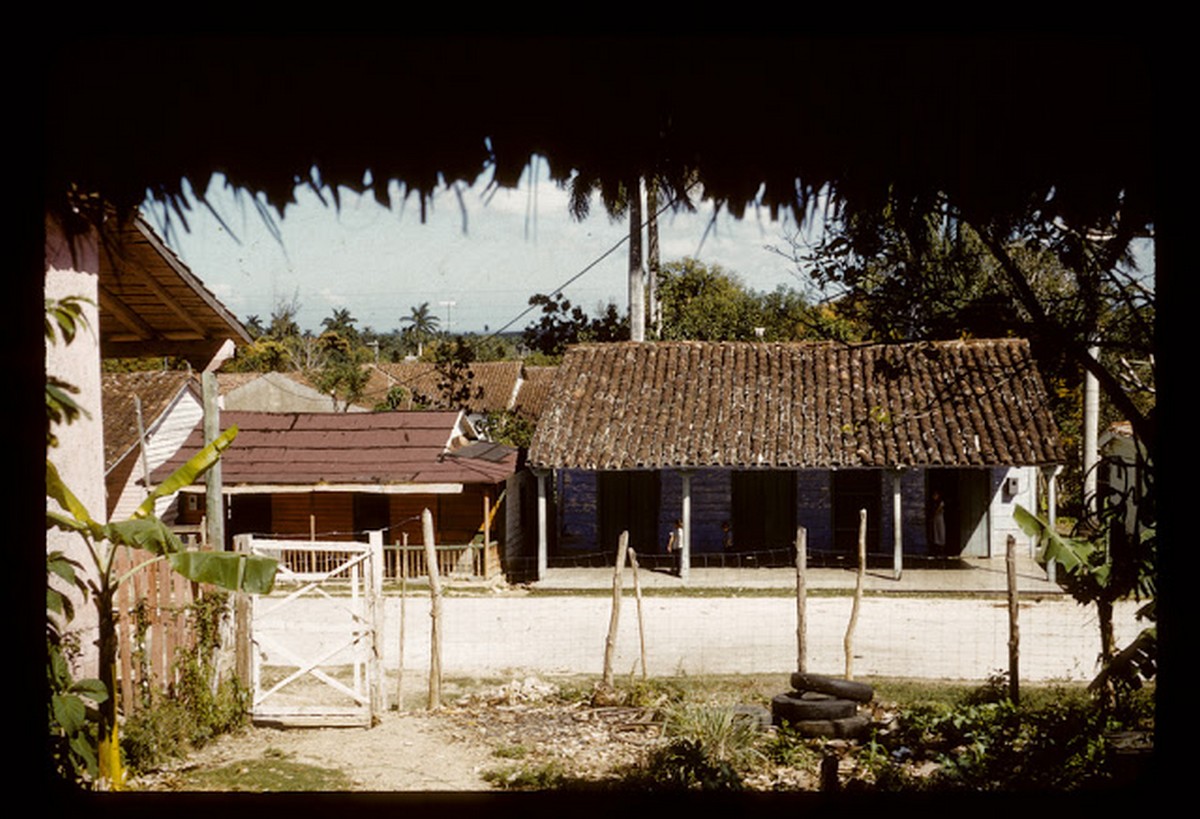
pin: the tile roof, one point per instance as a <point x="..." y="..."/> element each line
<point x="800" y="405"/>
<point x="497" y="378"/>
<point x="535" y="391"/>
<point x="156" y="390"/>
<point x="347" y="448"/>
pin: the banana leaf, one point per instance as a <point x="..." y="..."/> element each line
<point x="187" y="474"/>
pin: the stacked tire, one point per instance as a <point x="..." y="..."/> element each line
<point x="821" y="706"/>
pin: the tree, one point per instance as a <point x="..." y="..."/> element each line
<point x="711" y="304"/>
<point x="914" y="271"/>
<point x="422" y="325"/>
<point x="340" y="374"/>
<point x="452" y="363"/>
<point x="562" y="324"/>
<point x="342" y="323"/>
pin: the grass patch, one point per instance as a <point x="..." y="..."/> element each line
<point x="535" y="777"/>
<point x="273" y="773"/>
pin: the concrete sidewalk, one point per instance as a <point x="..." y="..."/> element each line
<point x="966" y="576"/>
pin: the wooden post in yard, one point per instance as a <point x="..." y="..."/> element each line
<point x="377" y="691"/>
<point x="403" y="618"/>
<point x="435" y="612"/>
<point x="610" y="642"/>
<point x="214" y="512"/>
<point x="241" y="619"/>
<point x="801" y="599"/>
<point x="1014" y="631"/>
<point x="637" y="594"/>
<point x="848" y="642"/>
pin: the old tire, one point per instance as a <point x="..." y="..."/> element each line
<point x="793" y="707"/>
<point x="842" y="689"/>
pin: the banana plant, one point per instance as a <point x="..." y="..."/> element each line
<point x="1102" y="570"/>
<point x="237" y="572"/>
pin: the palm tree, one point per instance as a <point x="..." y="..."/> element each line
<point x="422" y="324"/>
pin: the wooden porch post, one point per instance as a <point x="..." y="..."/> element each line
<point x="1051" y="511"/>
<point x="897" y="528"/>
<point x="685" y="544"/>
<point x="542" y="548"/>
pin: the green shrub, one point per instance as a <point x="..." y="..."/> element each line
<point x="539" y="777"/>
<point x="684" y="764"/>
<point x="192" y="713"/>
<point x="1054" y="741"/>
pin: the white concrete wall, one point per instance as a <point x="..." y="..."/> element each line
<point x="79" y="456"/>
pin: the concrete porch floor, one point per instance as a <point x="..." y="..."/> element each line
<point x="966" y="575"/>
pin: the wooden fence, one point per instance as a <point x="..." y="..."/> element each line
<point x="471" y="560"/>
<point x="152" y="626"/>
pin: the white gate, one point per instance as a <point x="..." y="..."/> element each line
<point x="316" y="642"/>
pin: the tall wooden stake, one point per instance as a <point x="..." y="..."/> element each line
<point x="435" y="612"/>
<point x="848" y="642"/>
<point x="637" y="593"/>
<point x="403" y="602"/>
<point x="378" y="693"/>
<point x="801" y="599"/>
<point x="1014" y="631"/>
<point x="610" y="642"/>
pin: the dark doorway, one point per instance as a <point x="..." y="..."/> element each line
<point x="248" y="514"/>
<point x="853" y="490"/>
<point x="371" y="512"/>
<point x="764" y="510"/>
<point x="628" y="501"/>
<point x="966" y="495"/>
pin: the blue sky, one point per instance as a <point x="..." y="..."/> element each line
<point x="380" y="262"/>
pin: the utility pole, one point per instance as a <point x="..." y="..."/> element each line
<point x="448" y="304"/>
<point x="637" y="295"/>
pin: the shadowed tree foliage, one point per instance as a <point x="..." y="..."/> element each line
<point x="563" y="323"/>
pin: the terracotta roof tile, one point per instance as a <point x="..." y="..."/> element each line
<point x="155" y="389"/>
<point x="497" y="378"/>
<point x="814" y="405"/>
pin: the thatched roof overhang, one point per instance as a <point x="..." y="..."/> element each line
<point x="745" y="405"/>
<point x="996" y="123"/>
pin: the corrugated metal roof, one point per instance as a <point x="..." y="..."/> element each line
<point x="346" y="448"/>
<point x="800" y="405"/>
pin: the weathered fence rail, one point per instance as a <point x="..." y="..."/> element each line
<point x="471" y="560"/>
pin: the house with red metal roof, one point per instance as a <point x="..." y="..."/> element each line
<point x="725" y="448"/>
<point x="334" y="476"/>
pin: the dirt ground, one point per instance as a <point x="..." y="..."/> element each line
<point x="443" y="751"/>
<point x="405" y="752"/>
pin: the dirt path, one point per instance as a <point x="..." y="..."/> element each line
<point x="405" y="752"/>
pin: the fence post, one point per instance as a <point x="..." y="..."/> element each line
<point x="848" y="642"/>
<point x="241" y="615"/>
<point x="1014" y="630"/>
<point x="403" y="601"/>
<point x="610" y="642"/>
<point x="435" y="612"/>
<point x="375" y="607"/>
<point x="801" y="599"/>
<point x="637" y="594"/>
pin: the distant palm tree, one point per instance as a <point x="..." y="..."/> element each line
<point x="422" y="325"/>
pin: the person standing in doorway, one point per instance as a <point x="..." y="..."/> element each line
<point x="937" y="524"/>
